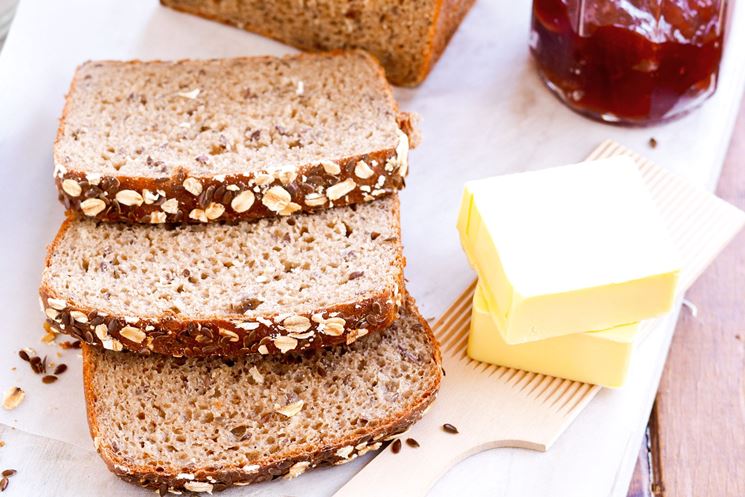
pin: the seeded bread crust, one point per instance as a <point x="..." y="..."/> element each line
<point x="289" y="465"/>
<point x="446" y="14"/>
<point x="236" y="336"/>
<point x="184" y="198"/>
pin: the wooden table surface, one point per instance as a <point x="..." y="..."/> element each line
<point x="695" y="444"/>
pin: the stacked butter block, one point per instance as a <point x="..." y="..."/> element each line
<point x="232" y="261"/>
<point x="569" y="260"/>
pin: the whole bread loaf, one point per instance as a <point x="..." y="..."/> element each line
<point x="406" y="36"/>
<point x="203" y="425"/>
<point x="280" y="284"/>
<point x="196" y="141"/>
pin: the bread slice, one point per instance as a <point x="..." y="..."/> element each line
<point x="408" y="37"/>
<point x="280" y="284"/>
<point x="203" y="425"/>
<point x="221" y="140"/>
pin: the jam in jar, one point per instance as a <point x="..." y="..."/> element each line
<point x="629" y="61"/>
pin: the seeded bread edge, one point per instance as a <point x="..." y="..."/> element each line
<point x="200" y="199"/>
<point x="208" y="479"/>
<point x="219" y="335"/>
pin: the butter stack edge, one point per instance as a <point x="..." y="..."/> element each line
<point x="569" y="249"/>
<point x="597" y="357"/>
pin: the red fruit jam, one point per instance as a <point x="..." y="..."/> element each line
<point x="629" y="61"/>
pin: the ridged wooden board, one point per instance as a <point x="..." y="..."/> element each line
<point x="495" y="406"/>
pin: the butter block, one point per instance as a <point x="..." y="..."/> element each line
<point x="569" y="249"/>
<point x="597" y="357"/>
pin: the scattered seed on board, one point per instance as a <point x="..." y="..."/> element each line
<point x="35" y="362"/>
<point x="653" y="142"/>
<point x="4" y="484"/>
<point x="23" y="355"/>
<point x="449" y="428"/>
<point x="9" y="472"/>
<point x="396" y="446"/>
<point x="412" y="443"/>
<point x="50" y="378"/>
<point x="60" y="369"/>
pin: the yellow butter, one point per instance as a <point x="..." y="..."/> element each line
<point x="568" y="249"/>
<point x="598" y="357"/>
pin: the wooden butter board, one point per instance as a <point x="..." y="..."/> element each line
<point x="494" y="406"/>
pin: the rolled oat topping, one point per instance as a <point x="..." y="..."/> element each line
<point x="276" y="198"/>
<point x="133" y="334"/>
<point x="362" y="170"/>
<point x="13" y="397"/>
<point x="92" y="206"/>
<point x="340" y="189"/>
<point x="198" y="486"/>
<point x="129" y="198"/>
<point x="296" y="324"/>
<point x="243" y="201"/>
<point x="285" y="343"/>
<point x="298" y="469"/>
<point x="170" y="206"/>
<point x="72" y="187"/>
<point x="214" y="211"/>
<point x="193" y="186"/>
<point x="330" y="167"/>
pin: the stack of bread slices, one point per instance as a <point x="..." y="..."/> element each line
<point x="232" y="263"/>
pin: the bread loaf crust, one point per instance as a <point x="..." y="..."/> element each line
<point x="314" y="186"/>
<point x="177" y="337"/>
<point x="219" y="192"/>
<point x="447" y="16"/>
<point x="340" y="451"/>
<point x="227" y="336"/>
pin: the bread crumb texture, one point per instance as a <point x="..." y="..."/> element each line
<point x="230" y="421"/>
<point x="225" y="116"/>
<point x="291" y="265"/>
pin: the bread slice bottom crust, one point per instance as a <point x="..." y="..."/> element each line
<point x="229" y="335"/>
<point x="257" y="430"/>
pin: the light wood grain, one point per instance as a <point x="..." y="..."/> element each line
<point x="504" y="407"/>
<point x="491" y="406"/>
<point x="700" y="407"/>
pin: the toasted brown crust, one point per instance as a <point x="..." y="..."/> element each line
<point x="271" y="467"/>
<point x="226" y="336"/>
<point x="447" y="17"/>
<point x="310" y="186"/>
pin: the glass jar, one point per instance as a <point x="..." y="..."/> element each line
<point x="629" y="61"/>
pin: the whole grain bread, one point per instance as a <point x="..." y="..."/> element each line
<point x="295" y="283"/>
<point x="407" y="37"/>
<point x="203" y="425"/>
<point x="195" y="141"/>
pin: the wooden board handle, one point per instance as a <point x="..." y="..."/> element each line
<point x="410" y="473"/>
<point x="414" y="471"/>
